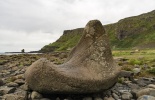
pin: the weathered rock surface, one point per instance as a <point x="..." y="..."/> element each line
<point x="89" y="67"/>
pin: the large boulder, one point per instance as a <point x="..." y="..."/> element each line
<point x="89" y="68"/>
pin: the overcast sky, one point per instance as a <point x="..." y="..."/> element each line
<point x="31" y="24"/>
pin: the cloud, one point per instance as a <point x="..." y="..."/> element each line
<point x="16" y="41"/>
<point x="22" y="19"/>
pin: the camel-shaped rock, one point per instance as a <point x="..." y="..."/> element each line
<point x="89" y="68"/>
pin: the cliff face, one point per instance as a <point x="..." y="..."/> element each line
<point x="136" y="31"/>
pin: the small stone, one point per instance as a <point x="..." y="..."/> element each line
<point x="151" y="86"/>
<point x="5" y="90"/>
<point x="133" y="86"/>
<point x="19" y="81"/>
<point x="21" y="93"/>
<point x="12" y="84"/>
<point x="87" y="98"/>
<point x="152" y="93"/>
<point x="136" y="70"/>
<point x="36" y="95"/>
<point x="145" y="91"/>
<point x="127" y="96"/>
<point x="24" y="87"/>
<point x="115" y="96"/>
<point x="143" y="82"/>
<point x="146" y="97"/>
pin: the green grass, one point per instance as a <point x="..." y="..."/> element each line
<point x="137" y="58"/>
<point x="152" y="71"/>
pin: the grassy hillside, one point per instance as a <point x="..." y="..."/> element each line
<point x="132" y="32"/>
<point x="68" y="40"/>
<point x="137" y="31"/>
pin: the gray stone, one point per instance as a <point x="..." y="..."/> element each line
<point x="21" y="93"/>
<point x="126" y="74"/>
<point x="126" y="96"/>
<point x="36" y="95"/>
<point x="145" y="91"/>
<point x="20" y="81"/>
<point x="25" y="87"/>
<point x="89" y="68"/>
<point x="87" y="98"/>
<point x="143" y="82"/>
<point x="12" y="84"/>
<point x="151" y="86"/>
<point x="133" y="86"/>
<point x="146" y="97"/>
<point x="5" y="90"/>
<point x="115" y="96"/>
<point x="136" y="70"/>
<point x="152" y="92"/>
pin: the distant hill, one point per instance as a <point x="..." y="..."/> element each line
<point x="131" y="32"/>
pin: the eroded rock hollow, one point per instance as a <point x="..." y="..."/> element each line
<point x="89" y="68"/>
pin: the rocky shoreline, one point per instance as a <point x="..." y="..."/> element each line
<point x="13" y="87"/>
